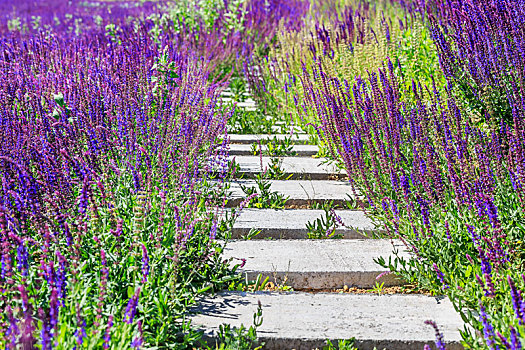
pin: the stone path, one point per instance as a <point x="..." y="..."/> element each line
<point x="308" y="316"/>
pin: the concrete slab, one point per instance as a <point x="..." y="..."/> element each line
<point x="293" y="167"/>
<point x="253" y="138"/>
<point x="291" y="223"/>
<point x="229" y="93"/>
<point x="248" y="102"/>
<point x="304" y="321"/>
<point x="279" y="129"/>
<point x="246" y="150"/>
<point x="299" y="192"/>
<point x="316" y="264"/>
<point x="248" y="105"/>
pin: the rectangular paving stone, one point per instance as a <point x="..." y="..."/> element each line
<point x="229" y="93"/>
<point x="254" y="138"/>
<point x="248" y="105"/>
<point x="299" y="192"/>
<point x="316" y="264"/>
<point x="246" y="150"/>
<point x="304" y="321"/>
<point x="283" y="129"/>
<point x="291" y="223"/>
<point x="292" y="167"/>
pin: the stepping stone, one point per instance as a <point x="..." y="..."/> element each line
<point x="304" y="321"/>
<point x="291" y="223"/>
<point x="248" y="102"/>
<point x="278" y="129"/>
<point x="316" y="264"/>
<point x="293" y="167"/>
<point x="300" y="192"/>
<point x="254" y="138"/>
<point x="246" y="150"/>
<point x="248" y="105"/>
<point x="229" y="93"/>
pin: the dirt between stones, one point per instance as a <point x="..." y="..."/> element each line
<point x="406" y="289"/>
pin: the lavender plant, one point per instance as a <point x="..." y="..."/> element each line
<point x="106" y="232"/>
<point x="449" y="190"/>
<point x="446" y="184"/>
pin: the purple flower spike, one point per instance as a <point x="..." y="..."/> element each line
<point x="440" y="344"/>
<point x="145" y="264"/>
<point x="440" y="276"/>
<point x="107" y="335"/>
<point x="131" y="309"/>
<point x="488" y="330"/>
<point x="517" y="301"/>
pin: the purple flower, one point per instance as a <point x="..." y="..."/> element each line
<point x="440" y="276"/>
<point x="517" y="301"/>
<point x="440" y="344"/>
<point x="137" y="342"/>
<point x="107" y="335"/>
<point x="80" y="333"/>
<point x="22" y="259"/>
<point x="53" y="308"/>
<point x="515" y="342"/>
<point x="131" y="309"/>
<point x="145" y="264"/>
<point x="12" y="331"/>
<point x="488" y="330"/>
<point x="487" y="273"/>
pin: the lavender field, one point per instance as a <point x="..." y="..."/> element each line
<point x="117" y="161"/>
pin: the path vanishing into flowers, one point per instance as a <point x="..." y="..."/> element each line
<point x="334" y="281"/>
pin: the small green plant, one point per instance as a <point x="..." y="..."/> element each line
<point x="324" y="227"/>
<point x="251" y="122"/>
<point x="274" y="148"/>
<point x="344" y="344"/>
<point x="112" y="32"/>
<point x="251" y="234"/>
<point x="238" y="89"/>
<point x="378" y="288"/>
<point x="233" y="338"/>
<point x="266" y="198"/>
<point x="165" y="73"/>
<point x="275" y="170"/>
<point x="259" y="284"/>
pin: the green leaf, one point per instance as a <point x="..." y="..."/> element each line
<point x="59" y="99"/>
<point x="131" y="291"/>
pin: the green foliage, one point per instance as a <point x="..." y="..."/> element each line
<point x="238" y="89"/>
<point x="345" y="344"/>
<point x="266" y="198"/>
<point x="249" y="122"/>
<point x="241" y="338"/>
<point x="275" y="147"/>
<point x="324" y="227"/>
